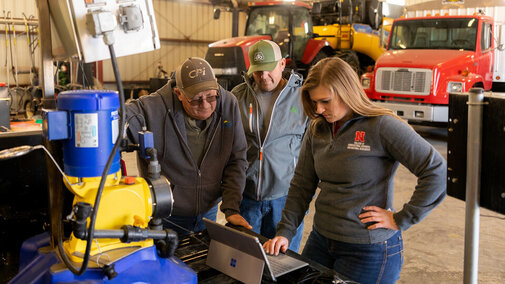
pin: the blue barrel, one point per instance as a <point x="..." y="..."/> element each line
<point x="93" y="129"/>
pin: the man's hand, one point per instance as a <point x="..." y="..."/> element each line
<point x="238" y="220"/>
<point x="275" y="245"/>
<point x="383" y="218"/>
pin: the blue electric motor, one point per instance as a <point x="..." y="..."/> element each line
<point x="88" y="121"/>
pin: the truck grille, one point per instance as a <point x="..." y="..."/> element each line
<point x="408" y="81"/>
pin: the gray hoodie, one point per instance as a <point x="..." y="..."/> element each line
<point x="196" y="188"/>
<point x="355" y="168"/>
<point x="272" y="161"/>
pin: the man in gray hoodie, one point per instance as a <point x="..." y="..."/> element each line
<point x="200" y="145"/>
<point x="274" y="124"/>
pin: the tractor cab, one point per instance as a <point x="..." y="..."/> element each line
<point x="288" y="24"/>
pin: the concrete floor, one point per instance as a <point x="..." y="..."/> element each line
<point x="434" y="248"/>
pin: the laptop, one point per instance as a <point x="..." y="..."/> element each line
<point x="241" y="256"/>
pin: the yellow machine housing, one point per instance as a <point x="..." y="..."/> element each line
<point x="121" y="204"/>
<point x="344" y="37"/>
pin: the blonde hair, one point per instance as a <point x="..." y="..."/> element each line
<point x="336" y="75"/>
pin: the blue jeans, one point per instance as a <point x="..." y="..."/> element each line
<point x="184" y="225"/>
<point x="263" y="216"/>
<point x="364" y="263"/>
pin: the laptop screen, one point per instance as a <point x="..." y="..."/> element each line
<point x="234" y="238"/>
<point x="232" y="244"/>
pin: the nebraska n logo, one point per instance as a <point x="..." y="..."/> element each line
<point x="360" y="136"/>
<point x="359" y="142"/>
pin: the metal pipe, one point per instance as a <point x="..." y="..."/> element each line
<point x="54" y="183"/>
<point x="46" y="55"/>
<point x="118" y="234"/>
<point x="473" y="167"/>
<point x="234" y="22"/>
<point x="19" y="22"/>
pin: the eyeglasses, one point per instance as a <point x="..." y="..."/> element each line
<point x="197" y="102"/>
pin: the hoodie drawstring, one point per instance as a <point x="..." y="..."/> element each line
<point x="250" y="117"/>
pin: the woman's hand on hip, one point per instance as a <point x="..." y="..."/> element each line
<point x="382" y="218"/>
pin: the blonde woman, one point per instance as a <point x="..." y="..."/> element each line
<point x="351" y="152"/>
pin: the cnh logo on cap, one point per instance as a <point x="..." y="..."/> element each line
<point x="264" y="56"/>
<point x="258" y="57"/>
<point x="194" y="76"/>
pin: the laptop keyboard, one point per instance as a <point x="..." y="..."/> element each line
<point x="282" y="264"/>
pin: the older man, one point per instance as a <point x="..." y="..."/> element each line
<point x="200" y="145"/>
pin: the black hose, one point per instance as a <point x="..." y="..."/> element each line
<point x="91" y="228"/>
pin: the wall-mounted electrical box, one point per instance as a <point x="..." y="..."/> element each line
<point x="81" y="25"/>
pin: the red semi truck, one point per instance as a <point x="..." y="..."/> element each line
<point x="429" y="57"/>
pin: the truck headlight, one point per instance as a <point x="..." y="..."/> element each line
<point x="455" y="87"/>
<point x="226" y="71"/>
<point x="365" y="83"/>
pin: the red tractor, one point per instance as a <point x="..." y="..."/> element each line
<point x="289" y="24"/>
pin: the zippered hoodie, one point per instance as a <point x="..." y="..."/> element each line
<point x="355" y="168"/>
<point x="222" y="170"/>
<point x="272" y="161"/>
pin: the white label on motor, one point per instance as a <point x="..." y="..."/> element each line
<point x="115" y="125"/>
<point x="86" y="130"/>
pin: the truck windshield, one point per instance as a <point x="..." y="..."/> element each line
<point x="274" y="21"/>
<point x="442" y="33"/>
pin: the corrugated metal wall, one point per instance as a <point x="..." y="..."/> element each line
<point x="185" y="29"/>
<point x="493" y="8"/>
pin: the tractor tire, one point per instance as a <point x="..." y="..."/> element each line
<point x="319" y="56"/>
<point x="373" y="13"/>
<point x="351" y="58"/>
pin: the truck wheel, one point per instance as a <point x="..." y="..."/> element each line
<point x="478" y="85"/>
<point x="351" y="58"/>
